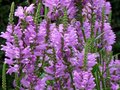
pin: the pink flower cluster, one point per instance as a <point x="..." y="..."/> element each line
<point x="52" y="56"/>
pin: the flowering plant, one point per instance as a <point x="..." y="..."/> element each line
<point x="61" y="45"/>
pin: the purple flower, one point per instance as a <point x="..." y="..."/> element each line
<point x="30" y="9"/>
<point x="86" y="26"/>
<point x="60" y="69"/>
<point x="13" y="69"/>
<point x="25" y="82"/>
<point x="9" y="61"/>
<point x="29" y="19"/>
<point x="26" y="52"/>
<point x="115" y="70"/>
<point x="55" y="37"/>
<point x="50" y="69"/>
<point x="91" y="60"/>
<point x="7" y="35"/>
<point x="107" y="8"/>
<point x="20" y="12"/>
<point x="51" y="3"/>
<point x="41" y="84"/>
<point x="109" y="36"/>
<point x="71" y="37"/>
<point x="84" y="80"/>
<point x="115" y="86"/>
<point x="56" y="8"/>
<point x="42" y="32"/>
<point x="11" y="51"/>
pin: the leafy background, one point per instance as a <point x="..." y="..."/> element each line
<point x="4" y="13"/>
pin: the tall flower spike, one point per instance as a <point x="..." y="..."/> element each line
<point x="20" y="12"/>
<point x="4" y="65"/>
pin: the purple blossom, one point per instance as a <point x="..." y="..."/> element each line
<point x="40" y="84"/>
<point x="51" y="3"/>
<point x="11" y="51"/>
<point x="71" y="36"/>
<point x="91" y="60"/>
<point x="114" y="86"/>
<point x="55" y="37"/>
<point x="13" y="69"/>
<point x="60" y="69"/>
<point x="20" y="12"/>
<point x="7" y="35"/>
<point x="30" y="9"/>
<point x="109" y="36"/>
<point x="25" y="83"/>
<point x="57" y="7"/>
<point x="9" y="61"/>
<point x="84" y="80"/>
<point x="115" y="70"/>
<point x="108" y="8"/>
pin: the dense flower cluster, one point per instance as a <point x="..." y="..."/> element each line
<point x="56" y="8"/>
<point x="61" y="52"/>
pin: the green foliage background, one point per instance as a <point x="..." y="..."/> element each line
<point x="4" y="13"/>
<point x="116" y="23"/>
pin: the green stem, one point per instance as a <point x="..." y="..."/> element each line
<point x="96" y="74"/>
<point x="87" y="47"/>
<point x="4" y="77"/>
<point x="102" y="79"/>
<point x="71" y="76"/>
<point x="16" y="81"/>
<point x="37" y="18"/>
<point x="46" y="11"/>
<point x="85" y="57"/>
